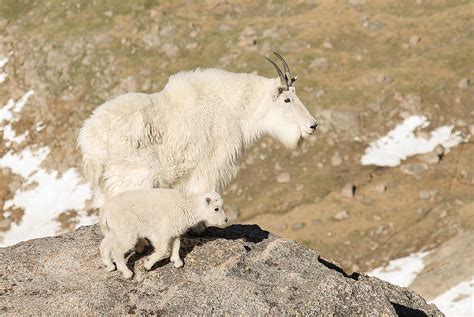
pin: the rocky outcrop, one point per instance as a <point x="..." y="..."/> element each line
<point x="237" y="270"/>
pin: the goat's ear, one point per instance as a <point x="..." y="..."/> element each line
<point x="208" y="200"/>
<point x="276" y="92"/>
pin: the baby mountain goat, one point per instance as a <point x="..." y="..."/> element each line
<point x="161" y="215"/>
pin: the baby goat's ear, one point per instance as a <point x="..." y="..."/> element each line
<point x="208" y="200"/>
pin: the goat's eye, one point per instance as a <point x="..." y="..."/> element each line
<point x="216" y="209"/>
<point x="287" y="100"/>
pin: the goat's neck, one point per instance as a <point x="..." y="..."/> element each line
<point x="256" y="110"/>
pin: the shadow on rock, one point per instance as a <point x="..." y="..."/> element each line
<point x="190" y="240"/>
<point x="332" y="266"/>
<point x="407" y="311"/>
<point x="249" y="233"/>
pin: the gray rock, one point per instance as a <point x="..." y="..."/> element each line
<point x="247" y="38"/>
<point x="356" y="2"/>
<point x="225" y="27"/>
<point x="342" y="120"/>
<point x="411" y="102"/>
<point x="348" y="190"/>
<point x="169" y="49"/>
<point x="425" y="195"/>
<point x="151" y="40"/>
<point x="282" y="226"/>
<point x="414" y="168"/>
<point x="238" y="270"/>
<point x="271" y="33"/>
<point x="284" y="177"/>
<point x="382" y="79"/>
<point x="381" y="188"/>
<point x="464" y="83"/>
<point x="373" y="25"/>
<point x="128" y="84"/>
<point x="414" y="40"/>
<point x="319" y="63"/>
<point x="341" y="215"/>
<point x="367" y="200"/>
<point x="439" y="150"/>
<point x="374" y="106"/>
<point x="461" y="123"/>
<point x="3" y="23"/>
<point x="336" y="159"/>
<point x="327" y="44"/>
<point x="430" y="158"/>
<point x="298" y="226"/>
<point x="192" y="45"/>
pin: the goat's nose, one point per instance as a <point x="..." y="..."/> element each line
<point x="226" y="220"/>
<point x="313" y="125"/>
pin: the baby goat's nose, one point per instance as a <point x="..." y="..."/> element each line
<point x="225" y="219"/>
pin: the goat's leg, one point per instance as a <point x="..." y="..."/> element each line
<point x="177" y="262"/>
<point x="105" y="252"/>
<point x="161" y="248"/>
<point x="118" y="253"/>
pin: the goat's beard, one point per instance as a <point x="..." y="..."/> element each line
<point x="290" y="137"/>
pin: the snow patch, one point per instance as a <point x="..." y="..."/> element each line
<point x="3" y="76"/>
<point x="10" y="136"/>
<point x="52" y="195"/>
<point x="7" y="113"/>
<point x="26" y="162"/>
<point x="401" y="271"/>
<point x="401" y="142"/>
<point x="458" y="301"/>
<point x="3" y="61"/>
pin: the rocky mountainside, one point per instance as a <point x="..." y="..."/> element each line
<point x="366" y="70"/>
<point x="237" y="270"/>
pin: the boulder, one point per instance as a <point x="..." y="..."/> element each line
<point x="237" y="270"/>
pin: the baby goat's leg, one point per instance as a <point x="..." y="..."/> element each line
<point x="175" y="253"/>
<point x="118" y="253"/>
<point x="161" y="248"/>
<point x="105" y="250"/>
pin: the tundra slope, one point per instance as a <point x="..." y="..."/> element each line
<point x="190" y="135"/>
<point x="161" y="215"/>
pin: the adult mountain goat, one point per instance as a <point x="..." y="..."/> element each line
<point x="190" y="135"/>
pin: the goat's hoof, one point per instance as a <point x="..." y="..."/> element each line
<point x="148" y="264"/>
<point x="110" y="268"/>
<point x="178" y="263"/>
<point x="127" y="275"/>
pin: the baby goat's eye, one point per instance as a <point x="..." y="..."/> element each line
<point x="287" y="100"/>
<point x="216" y="209"/>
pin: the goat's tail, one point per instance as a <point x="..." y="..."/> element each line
<point x="93" y="171"/>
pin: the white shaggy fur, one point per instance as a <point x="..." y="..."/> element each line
<point x="190" y="135"/>
<point x="161" y="215"/>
